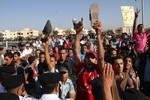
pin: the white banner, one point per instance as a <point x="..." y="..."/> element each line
<point x="128" y="15"/>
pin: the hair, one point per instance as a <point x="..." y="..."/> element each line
<point x="85" y="45"/>
<point x="4" y="75"/>
<point x="42" y="53"/>
<point x="112" y="49"/>
<point x="13" y="90"/>
<point x="125" y="34"/>
<point x="31" y="59"/>
<point x="115" y="58"/>
<point x="53" y="56"/>
<point x="8" y="51"/>
<point x="70" y="49"/>
<point x="8" y="54"/>
<point x="48" y="88"/>
<point x="133" y="61"/>
<point x="14" y="46"/>
<point x="56" y="46"/>
<point x="37" y="50"/>
<point x="62" y="48"/>
<point x="139" y="25"/>
<point x="128" y="56"/>
<point x="17" y="53"/>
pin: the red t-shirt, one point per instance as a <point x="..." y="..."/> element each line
<point x="57" y="55"/>
<point x="34" y="73"/>
<point x="68" y="44"/>
<point x="84" y="89"/>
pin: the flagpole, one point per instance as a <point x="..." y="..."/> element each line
<point x="142" y="5"/>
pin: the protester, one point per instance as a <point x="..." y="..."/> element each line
<point x="133" y="75"/>
<point x="90" y="69"/>
<point x="66" y="89"/>
<point x="42" y="66"/>
<point x="69" y="64"/>
<point x="8" y="57"/>
<point x="76" y="67"/>
<point x="70" y="54"/>
<point x="18" y="60"/>
<point x="56" y="52"/>
<point x="139" y="35"/>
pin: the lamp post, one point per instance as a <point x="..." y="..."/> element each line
<point x="142" y="5"/>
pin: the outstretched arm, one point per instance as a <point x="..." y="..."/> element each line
<point x="135" y="20"/>
<point x="100" y="50"/>
<point x="78" y="29"/>
<point x="47" y="56"/>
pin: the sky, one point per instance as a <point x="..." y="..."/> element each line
<point x="19" y="14"/>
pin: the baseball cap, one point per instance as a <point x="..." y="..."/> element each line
<point x="91" y="52"/>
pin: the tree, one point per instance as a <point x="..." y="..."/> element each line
<point x="1" y="37"/>
<point x="20" y="38"/>
<point x="110" y="32"/>
<point x="9" y="39"/>
<point x="55" y="32"/>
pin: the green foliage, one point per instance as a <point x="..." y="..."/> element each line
<point x="55" y="32"/>
<point x="9" y="39"/>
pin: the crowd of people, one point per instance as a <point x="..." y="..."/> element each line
<point x="76" y="68"/>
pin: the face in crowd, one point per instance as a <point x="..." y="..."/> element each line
<point x="8" y="60"/>
<point x="90" y="60"/>
<point x="65" y="75"/>
<point x="140" y="28"/>
<point x="127" y="63"/>
<point x="113" y="53"/>
<point x="42" y="57"/>
<point x="84" y="49"/>
<point x="37" y="53"/>
<point x="63" y="54"/>
<point x="70" y="52"/>
<point x="118" y="65"/>
<point x="16" y="57"/>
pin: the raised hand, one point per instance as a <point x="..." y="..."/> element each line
<point x="107" y="81"/>
<point x="79" y="26"/>
<point x="98" y="27"/>
<point x="108" y="76"/>
<point x="137" y="13"/>
<point x="47" y="43"/>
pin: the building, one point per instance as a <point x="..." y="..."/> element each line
<point x="25" y="33"/>
<point x="60" y="31"/>
<point x="7" y="34"/>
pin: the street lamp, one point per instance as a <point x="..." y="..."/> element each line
<point x="142" y="5"/>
